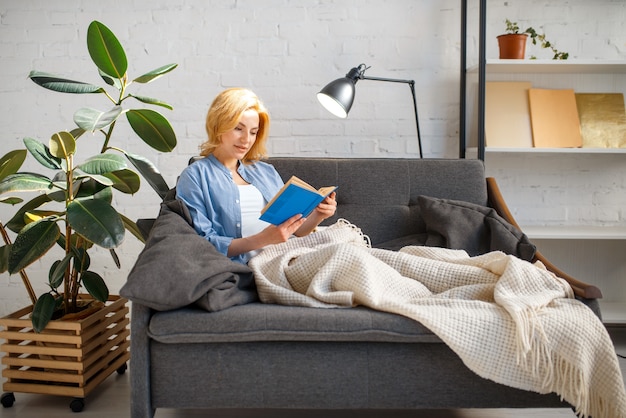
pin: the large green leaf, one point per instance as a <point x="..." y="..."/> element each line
<point x="111" y="81"/>
<point x="152" y="101"/>
<point x="57" y="271"/>
<point x="105" y="181"/>
<point x="91" y="189"/>
<point x="95" y="285"/>
<point x="149" y="172"/>
<point x="154" y="74"/>
<point x="43" y="311"/>
<point x="115" y="258"/>
<point x="105" y="50"/>
<point x="24" y="182"/>
<point x="93" y="119"/>
<point x="152" y="128"/>
<point x="11" y="162"/>
<point x="133" y="228"/>
<point x="17" y="221"/>
<point x="103" y="164"/>
<point x="42" y="154"/>
<point x="62" y="144"/>
<point x="126" y="181"/>
<point x="11" y="200"/>
<point x="77" y="132"/>
<point x="97" y="221"/>
<point x="82" y="261"/>
<point x="33" y="241"/>
<point x="63" y="85"/>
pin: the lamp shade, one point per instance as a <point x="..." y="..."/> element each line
<point x="337" y="97"/>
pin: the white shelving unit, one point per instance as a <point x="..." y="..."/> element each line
<point x="592" y="253"/>
<point x="589" y="251"/>
<point x="578" y="232"/>
<point x="527" y="66"/>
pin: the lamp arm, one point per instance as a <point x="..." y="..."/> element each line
<point x="411" y="84"/>
<point x="393" y="80"/>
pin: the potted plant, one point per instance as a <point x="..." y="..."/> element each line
<point x="73" y="210"/>
<point x="512" y="43"/>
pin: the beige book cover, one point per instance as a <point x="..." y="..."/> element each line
<point x="554" y="118"/>
<point x="602" y="119"/>
<point x="507" y="114"/>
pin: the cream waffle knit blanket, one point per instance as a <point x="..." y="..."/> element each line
<point x="509" y="320"/>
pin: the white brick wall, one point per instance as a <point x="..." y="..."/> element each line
<point x="285" y="51"/>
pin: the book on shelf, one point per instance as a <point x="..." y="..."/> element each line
<point x="507" y="114"/>
<point x="554" y="118"/>
<point x="295" y="197"/>
<point x="602" y="119"/>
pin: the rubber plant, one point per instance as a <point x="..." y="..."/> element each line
<point x="73" y="205"/>
<point x="513" y="28"/>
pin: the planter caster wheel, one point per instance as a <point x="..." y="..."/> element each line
<point x="7" y="399"/>
<point x="122" y="369"/>
<point x="77" y="404"/>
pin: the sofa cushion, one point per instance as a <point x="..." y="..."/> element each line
<point x="404" y="241"/>
<point x="379" y="195"/>
<point x="474" y="228"/>
<point x="268" y="322"/>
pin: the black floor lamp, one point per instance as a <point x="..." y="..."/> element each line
<point x="337" y="97"/>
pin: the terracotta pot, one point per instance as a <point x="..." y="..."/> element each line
<point x="512" y="45"/>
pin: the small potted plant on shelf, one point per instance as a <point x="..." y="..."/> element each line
<point x="72" y="210"/>
<point x="512" y="43"/>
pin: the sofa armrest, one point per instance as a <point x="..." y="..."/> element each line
<point x="496" y="201"/>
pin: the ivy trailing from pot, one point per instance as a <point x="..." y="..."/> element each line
<point x="512" y="31"/>
<point x="78" y="212"/>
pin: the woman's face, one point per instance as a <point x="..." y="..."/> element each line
<point x="236" y="143"/>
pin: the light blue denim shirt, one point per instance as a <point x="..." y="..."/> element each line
<point x="212" y="197"/>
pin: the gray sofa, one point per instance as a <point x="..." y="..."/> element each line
<point x="250" y="355"/>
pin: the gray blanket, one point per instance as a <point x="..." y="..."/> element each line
<point x="178" y="267"/>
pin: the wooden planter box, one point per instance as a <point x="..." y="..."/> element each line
<point x="69" y="357"/>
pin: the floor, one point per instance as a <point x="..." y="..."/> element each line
<point x="111" y="399"/>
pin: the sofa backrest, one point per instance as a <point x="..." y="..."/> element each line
<point x="379" y="195"/>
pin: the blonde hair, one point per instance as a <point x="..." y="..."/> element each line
<point x="224" y="115"/>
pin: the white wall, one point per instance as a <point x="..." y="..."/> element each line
<point x="285" y="51"/>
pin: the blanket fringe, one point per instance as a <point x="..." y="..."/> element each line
<point x="341" y="222"/>
<point x="569" y="382"/>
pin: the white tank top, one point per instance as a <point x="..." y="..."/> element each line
<point x="251" y="204"/>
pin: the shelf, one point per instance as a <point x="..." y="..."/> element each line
<point x="500" y="150"/>
<point x="575" y="232"/>
<point x="559" y="150"/>
<point x="613" y="313"/>
<point x="553" y="67"/>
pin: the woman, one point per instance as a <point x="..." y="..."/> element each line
<point x="226" y="190"/>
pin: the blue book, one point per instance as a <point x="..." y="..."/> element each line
<point x="295" y="197"/>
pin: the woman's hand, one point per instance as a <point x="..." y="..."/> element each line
<point x="324" y="210"/>
<point x="273" y="234"/>
<point x="327" y="207"/>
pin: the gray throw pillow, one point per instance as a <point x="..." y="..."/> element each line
<point x="474" y="228"/>
<point x="178" y="267"/>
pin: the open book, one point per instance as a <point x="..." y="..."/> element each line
<point x="295" y="197"/>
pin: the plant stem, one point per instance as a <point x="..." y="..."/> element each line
<point x="75" y="290"/>
<point x="108" y="137"/>
<point x="68" y="232"/>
